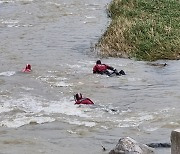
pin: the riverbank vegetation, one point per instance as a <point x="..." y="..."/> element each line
<point x="142" y="29"/>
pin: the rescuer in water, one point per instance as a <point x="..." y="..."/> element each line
<point x="80" y="100"/>
<point x="27" y="68"/>
<point x="100" y="68"/>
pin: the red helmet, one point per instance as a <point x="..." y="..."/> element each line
<point x="28" y="66"/>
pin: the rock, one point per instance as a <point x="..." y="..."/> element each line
<point x="175" y="141"/>
<point x="128" y="145"/>
<point x="159" y="145"/>
<point x="157" y="64"/>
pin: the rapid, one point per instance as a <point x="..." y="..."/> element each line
<point x="37" y="111"/>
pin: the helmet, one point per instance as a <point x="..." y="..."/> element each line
<point x="28" y="66"/>
<point x="78" y="96"/>
<point x="98" y="62"/>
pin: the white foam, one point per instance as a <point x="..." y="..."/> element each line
<point x="29" y="109"/>
<point x="18" y="122"/>
<point x="10" y="21"/>
<point x="165" y="110"/>
<point x="27" y="88"/>
<point x="145" y="117"/>
<point x="151" y="129"/>
<point x="134" y="79"/>
<point x="71" y="132"/>
<point x="27" y="104"/>
<point x="8" y="73"/>
<point x="52" y="3"/>
<point x="52" y="71"/>
<point x="39" y="110"/>
<point x="63" y="84"/>
<point x="122" y="125"/>
<point x="56" y="81"/>
<point x="26" y="25"/>
<point x="7" y="1"/>
<point x="90" y="17"/>
<point x="74" y="66"/>
<point x="92" y="8"/>
<point x="105" y="127"/>
<point x="86" y="22"/>
<point x="65" y="107"/>
<point x="135" y="120"/>
<point x="4" y="109"/>
<point x="82" y="123"/>
<point x="24" y="0"/>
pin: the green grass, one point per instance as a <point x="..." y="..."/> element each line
<point x="142" y="29"/>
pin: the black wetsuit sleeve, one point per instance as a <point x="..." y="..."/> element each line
<point x="110" y="68"/>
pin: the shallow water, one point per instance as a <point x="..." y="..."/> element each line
<point x="37" y="111"/>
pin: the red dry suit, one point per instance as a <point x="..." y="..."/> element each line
<point x="27" y="69"/>
<point x="84" y="101"/>
<point x="102" y="69"/>
<point x="79" y="100"/>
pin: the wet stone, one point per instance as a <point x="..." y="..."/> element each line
<point x="128" y="145"/>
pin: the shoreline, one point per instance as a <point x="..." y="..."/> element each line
<point x="142" y="30"/>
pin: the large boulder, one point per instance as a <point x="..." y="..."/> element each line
<point x="128" y="145"/>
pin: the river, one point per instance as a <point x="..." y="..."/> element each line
<point x="37" y="111"/>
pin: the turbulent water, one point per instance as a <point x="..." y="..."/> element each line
<point x="37" y="111"/>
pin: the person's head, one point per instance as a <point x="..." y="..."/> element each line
<point x="98" y="62"/>
<point x="28" y="66"/>
<point x="78" y="96"/>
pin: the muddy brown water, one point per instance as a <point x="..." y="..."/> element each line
<point x="37" y="111"/>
